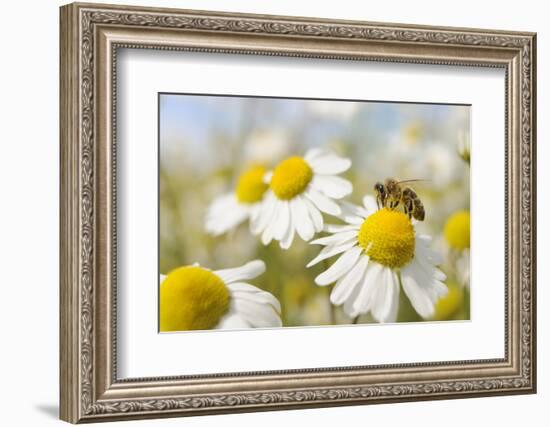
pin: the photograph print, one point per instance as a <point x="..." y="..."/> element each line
<point x="286" y="212"/>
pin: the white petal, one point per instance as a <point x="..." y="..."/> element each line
<point x="248" y="271"/>
<point x="225" y="213"/>
<point x="315" y="215"/>
<point x="340" y="267"/>
<point x="420" y="299"/>
<point x="370" y="205"/>
<point x="352" y="214"/>
<point x="301" y="220"/>
<point x="429" y="268"/>
<point x="162" y="277"/>
<point x="282" y="221"/>
<point x="260" y="298"/>
<point x="221" y="203"/>
<point x="287" y="239"/>
<point x="314" y="153"/>
<point x="345" y="285"/>
<point x="338" y="228"/>
<point x="423" y="245"/>
<point x="335" y="239"/>
<point x="332" y="186"/>
<point x="433" y="277"/>
<point x="232" y="320"/>
<point x="243" y="287"/>
<point x="433" y="287"/>
<point x="329" y="164"/>
<point x="266" y="213"/>
<point x="330" y="251"/>
<point x="254" y="294"/>
<point x="269" y="231"/>
<point x="257" y="314"/>
<point x="392" y="314"/>
<point x="256" y="221"/>
<point x="255" y="211"/>
<point x="368" y="289"/>
<point x="385" y="306"/>
<point x="323" y="203"/>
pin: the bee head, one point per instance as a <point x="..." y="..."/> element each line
<point x="379" y="188"/>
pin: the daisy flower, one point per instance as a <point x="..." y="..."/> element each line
<point x="379" y="249"/>
<point x="228" y="211"/>
<point x="300" y="189"/>
<point x="196" y="298"/>
<point x="457" y="236"/>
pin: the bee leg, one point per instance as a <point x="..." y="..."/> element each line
<point x="408" y="209"/>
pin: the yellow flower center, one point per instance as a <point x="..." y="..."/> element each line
<point x="290" y="178"/>
<point x="251" y="186"/>
<point x="388" y="238"/>
<point x="192" y="298"/>
<point x="457" y="230"/>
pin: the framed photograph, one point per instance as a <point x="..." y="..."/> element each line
<point x="266" y="212"/>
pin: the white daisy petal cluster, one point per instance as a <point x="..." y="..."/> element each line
<point x="378" y="250"/>
<point x="300" y="190"/>
<point x="196" y="298"/>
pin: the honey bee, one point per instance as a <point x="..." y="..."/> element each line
<point x="392" y="193"/>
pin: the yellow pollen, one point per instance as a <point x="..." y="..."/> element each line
<point x="457" y="230"/>
<point x="290" y="178"/>
<point x="250" y="185"/>
<point x="388" y="238"/>
<point x="192" y="298"/>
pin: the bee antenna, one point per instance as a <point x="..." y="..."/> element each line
<point x="413" y="180"/>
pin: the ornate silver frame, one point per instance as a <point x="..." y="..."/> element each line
<point x="90" y="36"/>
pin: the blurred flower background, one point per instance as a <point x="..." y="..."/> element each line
<point x="206" y="142"/>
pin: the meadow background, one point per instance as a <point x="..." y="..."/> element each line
<point x="205" y="142"/>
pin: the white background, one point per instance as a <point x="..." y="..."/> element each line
<point x="145" y="353"/>
<point x="29" y="170"/>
